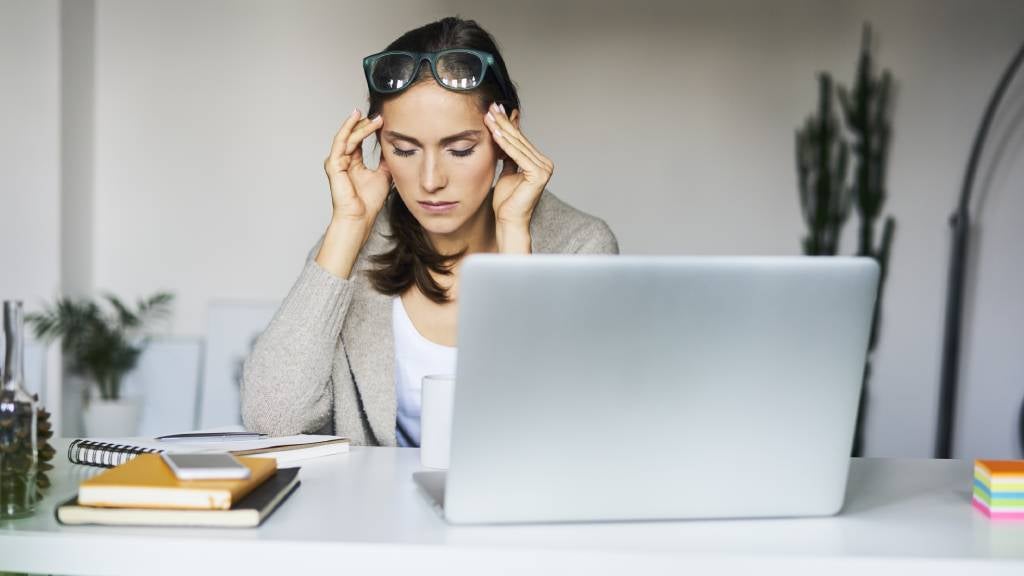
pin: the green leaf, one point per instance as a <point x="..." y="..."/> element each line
<point x="96" y="344"/>
<point x="125" y="317"/>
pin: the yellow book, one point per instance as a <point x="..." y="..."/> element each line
<point x="147" y="482"/>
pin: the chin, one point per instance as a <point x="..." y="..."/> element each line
<point x="440" y="225"/>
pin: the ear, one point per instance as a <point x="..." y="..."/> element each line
<point x="514" y="118"/>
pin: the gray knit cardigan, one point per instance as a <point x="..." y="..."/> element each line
<point x="326" y="361"/>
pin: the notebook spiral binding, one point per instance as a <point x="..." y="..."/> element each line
<point x="104" y="454"/>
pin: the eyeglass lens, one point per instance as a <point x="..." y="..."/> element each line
<point x="455" y="69"/>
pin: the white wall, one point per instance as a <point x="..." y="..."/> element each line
<point x="30" y="158"/>
<point x="992" y="374"/>
<point x="29" y="150"/>
<point x="674" y="121"/>
<point x="78" y="44"/>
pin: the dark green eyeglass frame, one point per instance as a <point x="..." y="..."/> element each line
<point x="487" y="61"/>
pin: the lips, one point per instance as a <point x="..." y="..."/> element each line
<point x="438" y="207"/>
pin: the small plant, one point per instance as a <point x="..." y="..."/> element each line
<point x="102" y="343"/>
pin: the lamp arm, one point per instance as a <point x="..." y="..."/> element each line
<point x="960" y="222"/>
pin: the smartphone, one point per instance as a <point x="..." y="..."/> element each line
<point x="211" y="466"/>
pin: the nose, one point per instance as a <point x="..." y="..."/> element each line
<point x="432" y="175"/>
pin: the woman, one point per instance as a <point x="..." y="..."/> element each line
<point x="374" y="309"/>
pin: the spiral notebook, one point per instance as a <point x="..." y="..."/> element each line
<point x="110" y="452"/>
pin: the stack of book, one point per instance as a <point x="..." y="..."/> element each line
<point x="145" y="492"/>
<point x="999" y="488"/>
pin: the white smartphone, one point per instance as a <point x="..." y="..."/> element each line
<point x="212" y="466"/>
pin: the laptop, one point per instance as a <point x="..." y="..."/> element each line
<point x="598" y="388"/>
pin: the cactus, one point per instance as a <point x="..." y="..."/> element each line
<point x="825" y="198"/>
<point x="821" y="161"/>
<point x="867" y="111"/>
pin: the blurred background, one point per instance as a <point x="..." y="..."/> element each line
<point x="154" y="145"/>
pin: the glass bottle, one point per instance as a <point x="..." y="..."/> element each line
<point x="18" y="434"/>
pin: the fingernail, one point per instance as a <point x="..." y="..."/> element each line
<point x="355" y="111"/>
<point x="495" y="106"/>
<point x="497" y="133"/>
<point x="502" y="106"/>
<point x="490" y="117"/>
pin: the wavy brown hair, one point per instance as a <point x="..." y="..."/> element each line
<point x="413" y="257"/>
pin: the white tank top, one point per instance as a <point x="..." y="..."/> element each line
<point x="415" y="357"/>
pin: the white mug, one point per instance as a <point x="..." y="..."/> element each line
<point x="438" y="392"/>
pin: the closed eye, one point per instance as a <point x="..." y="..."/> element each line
<point x="458" y="153"/>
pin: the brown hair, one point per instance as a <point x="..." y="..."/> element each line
<point x="413" y="257"/>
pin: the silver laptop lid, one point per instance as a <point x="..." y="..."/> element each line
<point x="617" y="387"/>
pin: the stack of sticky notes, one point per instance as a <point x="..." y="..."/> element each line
<point x="999" y="488"/>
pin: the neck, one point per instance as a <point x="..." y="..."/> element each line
<point x="477" y="235"/>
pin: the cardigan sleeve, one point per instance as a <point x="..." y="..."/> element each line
<point x="286" y="379"/>
<point x="595" y="237"/>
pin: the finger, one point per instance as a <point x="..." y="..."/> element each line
<point x="541" y="164"/>
<point x="341" y="137"/>
<point x="357" y="160"/>
<point x="511" y="127"/>
<point x="361" y="131"/>
<point x="517" y="154"/>
<point x="499" y="132"/>
<point x="516" y="150"/>
<point x="508" y="127"/>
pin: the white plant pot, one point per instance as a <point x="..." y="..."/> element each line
<point x="111" y="418"/>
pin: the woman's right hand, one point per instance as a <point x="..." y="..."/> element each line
<point x="357" y="195"/>
<point x="357" y="192"/>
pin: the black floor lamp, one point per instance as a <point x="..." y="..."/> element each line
<point x="960" y="222"/>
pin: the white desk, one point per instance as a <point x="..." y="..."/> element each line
<point x="362" y="511"/>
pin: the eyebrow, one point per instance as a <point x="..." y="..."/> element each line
<point x="464" y="135"/>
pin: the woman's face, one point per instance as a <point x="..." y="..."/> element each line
<point x="440" y="154"/>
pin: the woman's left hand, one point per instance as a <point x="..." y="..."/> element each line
<point x="524" y="174"/>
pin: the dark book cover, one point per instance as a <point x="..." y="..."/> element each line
<point x="249" y="512"/>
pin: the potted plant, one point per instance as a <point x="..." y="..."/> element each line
<point x="101" y="344"/>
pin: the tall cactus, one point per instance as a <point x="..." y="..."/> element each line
<point x="822" y="157"/>
<point x="825" y="198"/>
<point x="867" y="110"/>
